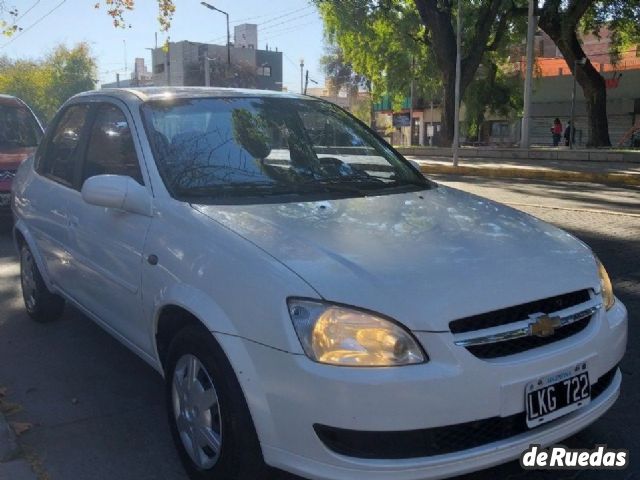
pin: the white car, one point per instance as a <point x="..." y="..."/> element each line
<point x="312" y="301"/>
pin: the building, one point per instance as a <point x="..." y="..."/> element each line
<point x="553" y="86"/>
<point x="551" y="98"/>
<point x="341" y="99"/>
<point x="241" y="64"/>
<point x="395" y="126"/>
<point x="140" y="77"/>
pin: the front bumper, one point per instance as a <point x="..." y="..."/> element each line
<point x="289" y="394"/>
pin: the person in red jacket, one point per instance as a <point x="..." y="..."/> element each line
<point x="556" y="132"/>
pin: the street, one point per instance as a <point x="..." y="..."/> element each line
<point x="97" y="410"/>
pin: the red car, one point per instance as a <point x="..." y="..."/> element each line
<point x="20" y="133"/>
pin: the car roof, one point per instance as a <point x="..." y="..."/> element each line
<point x="145" y="94"/>
<point x="10" y="100"/>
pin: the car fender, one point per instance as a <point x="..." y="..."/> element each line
<point x="196" y="302"/>
<point x="21" y="228"/>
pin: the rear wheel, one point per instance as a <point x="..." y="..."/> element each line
<point x="41" y="304"/>
<point x="208" y="415"/>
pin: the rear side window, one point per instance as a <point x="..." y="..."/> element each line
<point x="18" y="127"/>
<point x="60" y="158"/>
<point x="111" y="149"/>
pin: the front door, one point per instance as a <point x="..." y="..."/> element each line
<point x="51" y="191"/>
<point x="108" y="243"/>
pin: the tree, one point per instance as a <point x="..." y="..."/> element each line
<point x="340" y="73"/>
<point x="392" y="40"/>
<point x="340" y="77"/>
<point x="494" y="89"/>
<point x="47" y="83"/>
<point x="563" y="20"/>
<point x="116" y="9"/>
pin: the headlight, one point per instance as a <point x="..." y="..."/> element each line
<point x="342" y="336"/>
<point x="605" y="286"/>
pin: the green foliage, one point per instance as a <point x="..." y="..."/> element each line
<point x="47" y="83"/>
<point x="493" y="91"/>
<point x="339" y="72"/>
<point x="621" y="17"/>
<point x="378" y="41"/>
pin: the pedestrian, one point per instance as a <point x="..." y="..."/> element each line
<point x="556" y="132"/>
<point x="569" y="134"/>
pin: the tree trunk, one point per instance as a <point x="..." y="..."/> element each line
<point x="595" y="93"/>
<point x="447" y="116"/>
<point x="563" y="32"/>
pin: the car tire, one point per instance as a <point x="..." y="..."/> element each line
<point x="42" y="305"/>
<point x="209" y="411"/>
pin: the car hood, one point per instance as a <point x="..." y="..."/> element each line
<point x="10" y="159"/>
<point x="423" y="258"/>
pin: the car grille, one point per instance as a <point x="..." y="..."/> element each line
<point x="506" y="316"/>
<point x="7" y="175"/>
<point x="434" y="441"/>
<point x="519" y="312"/>
<point x="511" y="347"/>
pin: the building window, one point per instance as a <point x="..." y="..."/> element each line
<point x="158" y="68"/>
<point x="264" y="70"/>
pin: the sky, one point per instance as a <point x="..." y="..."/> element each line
<point x="293" y="26"/>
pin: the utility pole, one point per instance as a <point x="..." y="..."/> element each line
<point x="118" y="80"/>
<point x="433" y="132"/>
<point x="207" y="72"/>
<point x="211" y="7"/>
<point x="167" y="61"/>
<point x="306" y="82"/>
<point x="526" y="117"/>
<point x="301" y="75"/>
<point x="124" y="44"/>
<point x="413" y="64"/>
<point x="456" y="121"/>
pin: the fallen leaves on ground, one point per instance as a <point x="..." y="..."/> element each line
<point x="9" y="408"/>
<point x="20" y="427"/>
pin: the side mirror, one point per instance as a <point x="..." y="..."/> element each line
<point x="117" y="191"/>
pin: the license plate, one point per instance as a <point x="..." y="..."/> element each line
<point x="556" y="395"/>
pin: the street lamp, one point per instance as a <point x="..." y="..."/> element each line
<point x="572" y="127"/>
<point x="211" y="7"/>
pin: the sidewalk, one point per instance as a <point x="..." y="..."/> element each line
<point x="12" y="465"/>
<point x="605" y="172"/>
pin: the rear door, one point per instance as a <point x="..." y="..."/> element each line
<point x="107" y="243"/>
<point x="46" y="199"/>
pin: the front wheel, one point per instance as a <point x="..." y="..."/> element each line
<point x="208" y="414"/>
<point x="41" y="304"/>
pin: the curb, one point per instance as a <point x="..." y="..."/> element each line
<point x="9" y="448"/>
<point x="615" y="179"/>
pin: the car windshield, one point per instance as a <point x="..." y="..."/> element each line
<point x="210" y="150"/>
<point x="18" y="127"/>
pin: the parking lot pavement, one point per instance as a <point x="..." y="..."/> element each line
<point x="97" y="410"/>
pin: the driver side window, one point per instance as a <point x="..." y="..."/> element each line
<point x="111" y="149"/>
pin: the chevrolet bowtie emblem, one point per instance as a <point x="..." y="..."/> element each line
<point x="544" y="326"/>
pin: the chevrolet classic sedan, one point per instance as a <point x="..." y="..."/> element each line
<point x="312" y="301"/>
